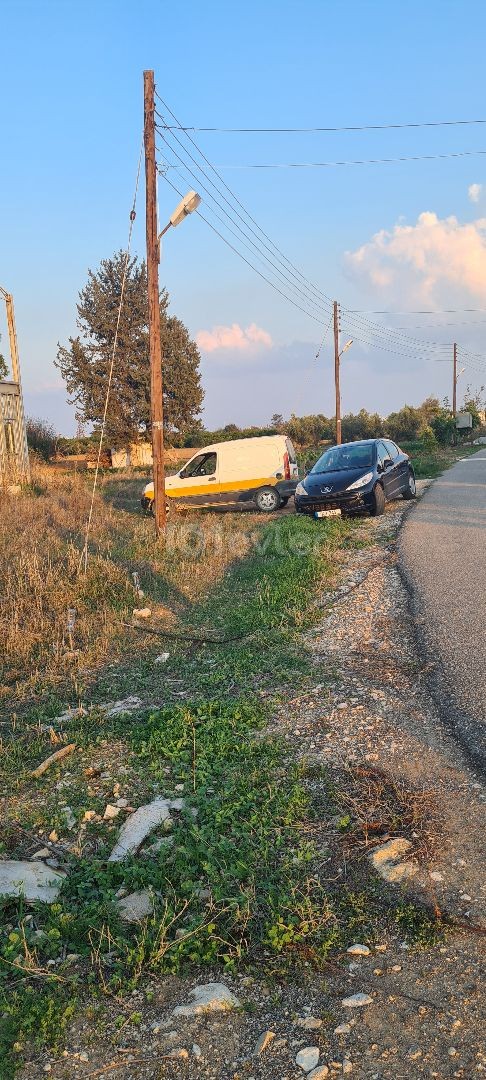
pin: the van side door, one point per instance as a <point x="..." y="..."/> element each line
<point x="197" y="483"/>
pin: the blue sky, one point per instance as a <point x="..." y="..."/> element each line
<point x="71" y="91"/>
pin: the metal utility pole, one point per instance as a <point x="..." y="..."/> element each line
<point x="454" y="382"/>
<point x="336" y="372"/>
<point x="156" y="383"/>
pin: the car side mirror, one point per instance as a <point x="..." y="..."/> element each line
<point x="388" y="461"/>
<point x="379" y="467"/>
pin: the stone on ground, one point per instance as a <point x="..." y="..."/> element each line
<point x="358" y="950"/>
<point x="308" y="1058"/>
<point x="136" y="906"/>
<point x="386" y="860"/>
<point x="208" y="998"/>
<point x="32" y="880"/>
<point x="357" y="1000"/>
<point x="265" y="1039"/>
<point x="142" y="822"/>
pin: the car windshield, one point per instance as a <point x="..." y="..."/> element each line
<point x="339" y="458"/>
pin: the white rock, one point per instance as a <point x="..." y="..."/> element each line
<point x="142" y="613"/>
<point x="436" y="875"/>
<point x="386" y="860"/>
<point x="208" y="998"/>
<point x="196" y="1050"/>
<point x="118" y="708"/>
<point x="357" y="1000"/>
<point x="142" y="822"/>
<point x="307" y="1058"/>
<point x="163" y="658"/>
<point x="343" y="1029"/>
<point x="43" y="853"/>
<point x="111" y="812"/>
<point x="319" y="1073"/>
<point x="347" y="1066"/>
<point x="32" y="880"/>
<point x="89" y="815"/>
<point x="136" y="906"/>
<point x="358" y="950"/>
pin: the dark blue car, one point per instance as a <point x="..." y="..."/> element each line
<point x="356" y="477"/>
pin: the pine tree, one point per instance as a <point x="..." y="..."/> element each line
<point x="86" y="361"/>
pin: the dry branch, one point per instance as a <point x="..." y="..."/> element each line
<point x="56" y="756"/>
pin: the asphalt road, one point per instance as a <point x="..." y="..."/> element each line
<point x="443" y="556"/>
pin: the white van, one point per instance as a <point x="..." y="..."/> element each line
<point x="263" y="471"/>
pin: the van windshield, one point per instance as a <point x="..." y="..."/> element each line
<point x="349" y="456"/>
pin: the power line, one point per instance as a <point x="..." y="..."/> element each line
<point x="247" y="261"/>
<point x="300" y="291"/>
<point x="240" y="204"/>
<point x="307" y="292"/>
<point x="312" y="130"/>
<point x="359" y="161"/>
<point x="426" y="311"/>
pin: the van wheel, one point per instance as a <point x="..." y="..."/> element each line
<point x="378" y="501"/>
<point x="267" y="499"/>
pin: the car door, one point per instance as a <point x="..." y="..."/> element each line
<point x="197" y="483"/>
<point x="393" y="470"/>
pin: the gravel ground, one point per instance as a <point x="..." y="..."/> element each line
<point x="371" y="707"/>
<point x="442" y="551"/>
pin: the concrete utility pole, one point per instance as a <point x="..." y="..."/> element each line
<point x="337" y="359"/>
<point x="156" y="381"/>
<point x="454" y="381"/>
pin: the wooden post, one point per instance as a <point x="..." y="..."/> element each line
<point x="156" y="381"/>
<point x="454" y="382"/>
<point x="336" y="372"/>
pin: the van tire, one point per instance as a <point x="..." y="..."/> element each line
<point x="378" y="501"/>
<point x="267" y="499"/>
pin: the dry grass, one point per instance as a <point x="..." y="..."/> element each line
<point x="41" y="536"/>
<point x="381" y="806"/>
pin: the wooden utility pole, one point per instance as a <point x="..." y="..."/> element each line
<point x="336" y="372"/>
<point x="454" y="381"/>
<point x="156" y="382"/>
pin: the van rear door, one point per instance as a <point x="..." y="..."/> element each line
<point x="293" y="466"/>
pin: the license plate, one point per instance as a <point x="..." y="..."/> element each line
<point x="327" y="513"/>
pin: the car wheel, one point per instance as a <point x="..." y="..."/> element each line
<point x="411" y="488"/>
<point x="267" y="499"/>
<point x="284" y="501"/>
<point x="378" y="507"/>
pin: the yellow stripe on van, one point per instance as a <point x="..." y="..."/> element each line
<point x="215" y="488"/>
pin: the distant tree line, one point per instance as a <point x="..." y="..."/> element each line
<point x="431" y="422"/>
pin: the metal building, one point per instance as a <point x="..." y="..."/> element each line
<point x="14" y="457"/>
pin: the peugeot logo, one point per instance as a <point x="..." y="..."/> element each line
<point x="326" y="490"/>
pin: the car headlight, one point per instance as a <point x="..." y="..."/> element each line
<point x="361" y="482"/>
<point x="300" y="489"/>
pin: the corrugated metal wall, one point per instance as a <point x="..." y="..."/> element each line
<point x="13" y="442"/>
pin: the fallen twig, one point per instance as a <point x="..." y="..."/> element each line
<point x="56" y="756"/>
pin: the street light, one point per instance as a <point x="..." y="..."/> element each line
<point x="346" y="347"/>
<point x="187" y="206"/>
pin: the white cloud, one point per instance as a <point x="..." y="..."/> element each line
<point x="234" y="337"/>
<point x="431" y="261"/>
<point x="474" y="192"/>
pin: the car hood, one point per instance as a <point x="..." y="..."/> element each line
<point x="315" y="483"/>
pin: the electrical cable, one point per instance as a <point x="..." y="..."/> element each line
<point x="358" y="161"/>
<point x="261" y="256"/>
<point x="243" y="257"/>
<point x="237" y="201"/>
<point x="84" y="554"/>
<point x="312" y="130"/>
